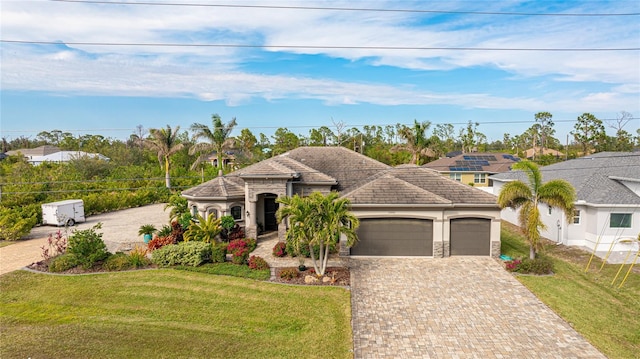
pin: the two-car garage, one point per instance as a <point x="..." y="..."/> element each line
<point x="414" y="237"/>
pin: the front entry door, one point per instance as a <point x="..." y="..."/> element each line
<point x="270" y="208"/>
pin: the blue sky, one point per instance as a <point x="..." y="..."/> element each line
<point x="109" y="90"/>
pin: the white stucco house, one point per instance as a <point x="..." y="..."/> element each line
<point x="607" y="210"/>
<point x="404" y="211"/>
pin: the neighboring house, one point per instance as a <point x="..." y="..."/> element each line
<point x="607" y="207"/>
<point x="64" y="156"/>
<point x="38" y="151"/>
<point x="473" y="168"/>
<point x="404" y="211"/>
<point x="38" y="155"/>
<point x="537" y="151"/>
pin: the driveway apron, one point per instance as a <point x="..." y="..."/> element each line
<point x="458" y="307"/>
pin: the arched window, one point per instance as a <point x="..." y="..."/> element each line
<point x="194" y="210"/>
<point x="236" y="212"/>
<point x="212" y="212"/>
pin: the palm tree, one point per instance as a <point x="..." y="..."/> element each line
<point x="165" y="143"/>
<point x="517" y="194"/>
<point x="318" y="220"/>
<point x="417" y="142"/>
<point x="218" y="139"/>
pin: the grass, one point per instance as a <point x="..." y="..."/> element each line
<point x="607" y="316"/>
<point x="169" y="313"/>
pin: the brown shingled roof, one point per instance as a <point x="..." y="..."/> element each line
<point x="502" y="163"/>
<point x="343" y="164"/>
<point x="428" y="181"/>
<point x="219" y="187"/>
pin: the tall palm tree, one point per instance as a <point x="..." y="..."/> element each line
<point x="517" y="194"/>
<point x="318" y="220"/>
<point x="217" y="138"/>
<point x="165" y="142"/>
<point x="417" y="142"/>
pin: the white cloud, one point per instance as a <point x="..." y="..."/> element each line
<point x="212" y="73"/>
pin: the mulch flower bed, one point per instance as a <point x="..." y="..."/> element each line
<point x="334" y="276"/>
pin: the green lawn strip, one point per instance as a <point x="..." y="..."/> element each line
<point x="230" y="269"/>
<point x="608" y="316"/>
<point x="169" y="314"/>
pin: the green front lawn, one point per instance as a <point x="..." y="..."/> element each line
<point x="169" y="314"/>
<point x="607" y="316"/>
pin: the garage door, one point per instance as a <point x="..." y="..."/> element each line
<point x="394" y="237"/>
<point x="470" y="237"/>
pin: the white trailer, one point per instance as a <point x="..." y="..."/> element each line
<point x="63" y="213"/>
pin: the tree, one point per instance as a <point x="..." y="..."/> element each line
<point x="322" y="136"/>
<point x="517" y="194"/>
<point x="623" y="140"/>
<point x="546" y="129"/>
<point x="446" y="140"/>
<point x="416" y="141"/>
<point x="318" y="220"/>
<point x="470" y="137"/>
<point x="589" y="132"/>
<point x="165" y="142"/>
<point x="247" y="143"/>
<point x="217" y="138"/>
<point x="284" y="140"/>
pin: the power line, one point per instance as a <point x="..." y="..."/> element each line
<point x="325" y="47"/>
<point x="289" y="7"/>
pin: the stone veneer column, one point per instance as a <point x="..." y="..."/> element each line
<point x="251" y="229"/>
<point x="343" y="250"/>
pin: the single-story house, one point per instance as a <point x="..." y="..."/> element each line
<point x="473" y="168"/>
<point x="48" y="153"/>
<point x="404" y="211"/>
<point x="537" y="151"/>
<point x="607" y="210"/>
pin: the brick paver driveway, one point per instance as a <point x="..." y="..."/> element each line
<point x="458" y="307"/>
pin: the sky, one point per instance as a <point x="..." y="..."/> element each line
<point x="105" y="67"/>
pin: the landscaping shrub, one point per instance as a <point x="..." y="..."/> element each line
<point x="63" y="262"/>
<point x="289" y="273"/>
<point x="165" y="231"/>
<point x="88" y="247"/>
<point x="252" y="244"/>
<point x="258" y="263"/>
<point x="159" y="242"/>
<point x="185" y="253"/>
<point x="56" y="245"/>
<point x="14" y="224"/>
<point x="279" y="250"/>
<point x="236" y="233"/>
<point x="203" y="230"/>
<point x="138" y="257"/>
<point x="540" y="265"/>
<point x="218" y="252"/>
<point x="239" y="251"/>
<point x="117" y="262"/>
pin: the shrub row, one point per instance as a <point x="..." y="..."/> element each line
<point x="540" y="265"/>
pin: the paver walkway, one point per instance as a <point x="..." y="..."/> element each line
<point x="458" y="307"/>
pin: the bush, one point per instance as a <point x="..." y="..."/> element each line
<point x="279" y="250"/>
<point x="204" y="230"/>
<point x="138" y="257"/>
<point x="88" y="246"/>
<point x="239" y="251"/>
<point x="289" y="273"/>
<point x="185" y="253"/>
<point x="159" y="242"/>
<point x="63" y="262"/>
<point x="252" y="244"/>
<point x="540" y="265"/>
<point x="14" y="225"/>
<point x="258" y="263"/>
<point x="117" y="262"/>
<point x="218" y="253"/>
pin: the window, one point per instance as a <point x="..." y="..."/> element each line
<point x="212" y="212"/>
<point x="236" y="212"/>
<point x="620" y="220"/>
<point x="550" y="209"/>
<point x="576" y="216"/>
<point x="194" y="210"/>
<point x="480" y="178"/>
<point x="456" y="176"/>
